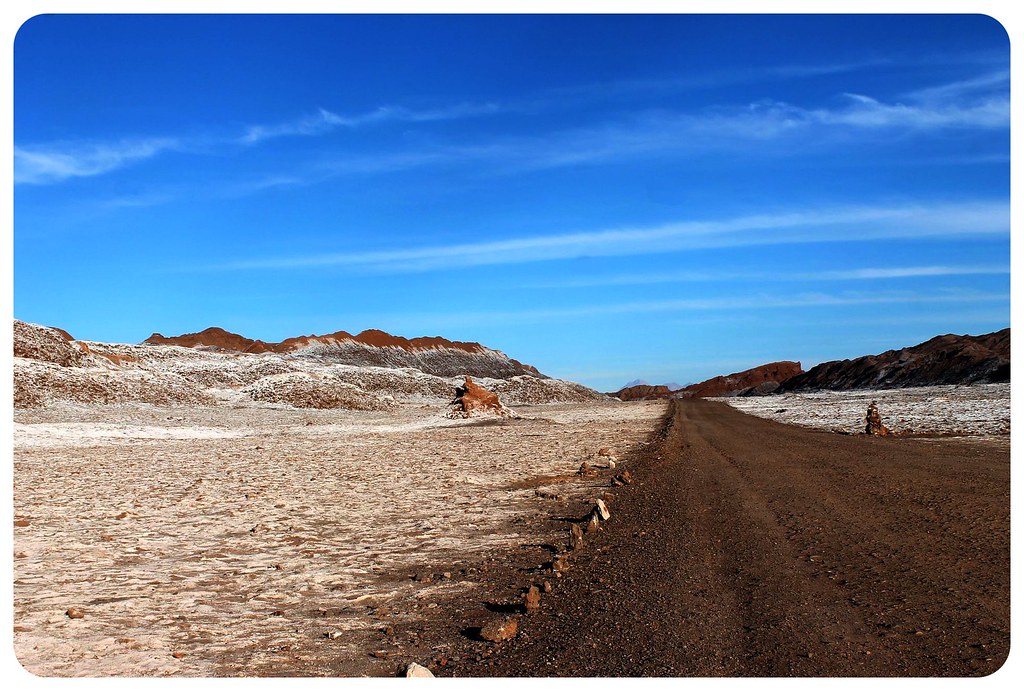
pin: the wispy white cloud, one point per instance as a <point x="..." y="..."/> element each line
<point x="821" y="225"/>
<point x="761" y="276"/>
<point x="324" y="121"/>
<point x="62" y="160"/>
<point x="720" y="304"/>
<point x="987" y="83"/>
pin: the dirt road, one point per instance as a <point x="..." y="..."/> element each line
<point x="751" y="548"/>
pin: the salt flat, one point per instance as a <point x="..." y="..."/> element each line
<point x="971" y="411"/>
<point x="266" y="540"/>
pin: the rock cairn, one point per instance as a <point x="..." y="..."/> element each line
<point x="873" y="422"/>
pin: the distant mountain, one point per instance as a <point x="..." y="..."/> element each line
<point x="948" y="359"/>
<point x="760" y="380"/>
<point x="430" y="354"/>
<point x="642" y="392"/>
<point x="635" y="382"/>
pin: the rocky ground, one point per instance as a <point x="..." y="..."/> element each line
<point x="966" y="411"/>
<point x="263" y="540"/>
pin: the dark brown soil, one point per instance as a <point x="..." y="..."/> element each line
<point x="746" y="547"/>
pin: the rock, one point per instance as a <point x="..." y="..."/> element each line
<point x="602" y="510"/>
<point x="593" y="524"/>
<point x="472" y="400"/>
<point x="624" y="478"/>
<point x="575" y="536"/>
<point x="417" y="670"/>
<point x="611" y="463"/>
<point x="586" y="470"/>
<point x="605" y="451"/>
<point x="499" y="629"/>
<point x="178" y="655"/>
<point x="560" y="563"/>
<point x="73" y="613"/>
<point x="22" y="523"/>
<point x="873" y="422"/>
<point x="546" y="587"/>
<point x="531" y="599"/>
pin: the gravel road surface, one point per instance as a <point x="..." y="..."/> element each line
<point x="745" y="547"/>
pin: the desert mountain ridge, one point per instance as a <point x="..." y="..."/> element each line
<point x="763" y="379"/>
<point x="946" y="359"/>
<point x="215" y="367"/>
<point x="368" y="347"/>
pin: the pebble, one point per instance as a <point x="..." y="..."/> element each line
<point x="592" y="525"/>
<point x="73" y="613"/>
<point x="605" y="451"/>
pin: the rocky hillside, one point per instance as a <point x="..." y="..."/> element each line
<point x="429" y="354"/>
<point x="948" y="359"/>
<point x="642" y="392"/>
<point x="50" y="366"/>
<point x="757" y="381"/>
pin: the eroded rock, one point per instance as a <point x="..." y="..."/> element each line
<point x="472" y="400"/>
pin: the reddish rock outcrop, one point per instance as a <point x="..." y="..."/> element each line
<point x="759" y="380"/>
<point x="430" y="354"/>
<point x="213" y="337"/>
<point x="642" y="392"/>
<point x="472" y="400"/>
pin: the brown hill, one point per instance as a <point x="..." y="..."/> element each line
<point x="430" y="354"/>
<point x="755" y="381"/>
<point x="948" y="359"/>
<point x="642" y="392"/>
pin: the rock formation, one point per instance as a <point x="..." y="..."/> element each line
<point x="873" y="422"/>
<point x="756" y="381"/>
<point x="472" y="400"/>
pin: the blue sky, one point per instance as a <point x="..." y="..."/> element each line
<point x="607" y="198"/>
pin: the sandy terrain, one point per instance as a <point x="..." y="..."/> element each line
<point x="976" y="410"/>
<point x="264" y="540"/>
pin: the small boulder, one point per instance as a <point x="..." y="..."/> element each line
<point x="499" y="629"/>
<point x="417" y="670"/>
<point x="73" y="613"/>
<point x="602" y="510"/>
<point x="593" y="525"/>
